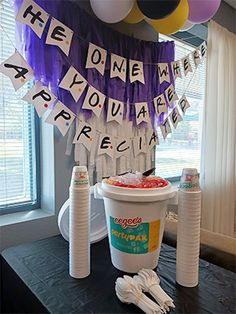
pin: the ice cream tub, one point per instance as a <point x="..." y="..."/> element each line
<point x="135" y="221"/>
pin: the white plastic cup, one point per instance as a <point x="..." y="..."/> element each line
<point x="189" y="180"/>
<point x="135" y="222"/>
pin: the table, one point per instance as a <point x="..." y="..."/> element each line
<point x="35" y="279"/>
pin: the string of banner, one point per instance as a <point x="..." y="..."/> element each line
<point x="20" y="72"/>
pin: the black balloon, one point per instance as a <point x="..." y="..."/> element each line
<point x="157" y="9"/>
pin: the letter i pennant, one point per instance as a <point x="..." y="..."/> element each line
<point x="17" y="69"/>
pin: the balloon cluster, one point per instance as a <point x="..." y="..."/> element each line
<point x="165" y="16"/>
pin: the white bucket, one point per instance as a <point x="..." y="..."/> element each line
<point x="135" y="222"/>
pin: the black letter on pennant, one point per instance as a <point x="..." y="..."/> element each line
<point x="142" y="111"/>
<point x="74" y="81"/>
<point x="58" y="31"/>
<point x="119" y="68"/>
<point x="119" y="149"/>
<point x="153" y="138"/>
<point x="113" y="109"/>
<point x="21" y="71"/>
<point x="135" y="69"/>
<point x="86" y="129"/>
<point x="35" y="16"/>
<point x="42" y="94"/>
<point x="97" y="100"/>
<point x="105" y="142"/>
<point x="64" y="114"/>
<point x="99" y="56"/>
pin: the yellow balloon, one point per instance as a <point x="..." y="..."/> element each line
<point x="173" y="22"/>
<point x="135" y="15"/>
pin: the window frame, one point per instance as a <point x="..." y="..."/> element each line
<point x="193" y="37"/>
<point x="20" y="207"/>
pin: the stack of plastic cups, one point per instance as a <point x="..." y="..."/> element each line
<point x="188" y="235"/>
<point x="79" y="222"/>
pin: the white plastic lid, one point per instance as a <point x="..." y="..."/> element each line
<point x="136" y="194"/>
<point x="98" y="228"/>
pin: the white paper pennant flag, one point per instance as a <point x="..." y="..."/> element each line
<point x="41" y="97"/>
<point x="171" y="95"/>
<point x="85" y="135"/>
<point x="62" y="117"/>
<point x="106" y="145"/>
<point x="159" y="103"/>
<point x="115" y="111"/>
<point x="59" y="35"/>
<point x="136" y="71"/>
<point x="184" y="104"/>
<point x="187" y="65"/>
<point x="96" y="58"/>
<point x="203" y="49"/>
<point x="74" y="82"/>
<point x="141" y="111"/>
<point x="196" y="57"/>
<point x="163" y="72"/>
<point x="33" y="15"/>
<point x="176" y="69"/>
<point x="152" y="139"/>
<point x="17" y="69"/>
<point x="123" y="146"/>
<point x="94" y="101"/>
<point x="139" y="145"/>
<point x="165" y="128"/>
<point x="118" y="67"/>
<point x="175" y="117"/>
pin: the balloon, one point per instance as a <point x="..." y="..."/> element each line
<point x="157" y="9"/>
<point x="111" y="11"/>
<point x="202" y="10"/>
<point x="174" y="21"/>
<point x="186" y="26"/>
<point x="135" y="15"/>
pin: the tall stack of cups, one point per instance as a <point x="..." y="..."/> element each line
<point x="188" y="234"/>
<point x="79" y="222"/>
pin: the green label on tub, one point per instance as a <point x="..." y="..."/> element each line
<point x="131" y="235"/>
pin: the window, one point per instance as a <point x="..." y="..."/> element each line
<point x="182" y="148"/>
<point x="18" y="132"/>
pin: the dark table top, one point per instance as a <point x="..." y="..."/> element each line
<point x="43" y="267"/>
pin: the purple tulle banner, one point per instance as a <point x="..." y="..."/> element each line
<point x="50" y="64"/>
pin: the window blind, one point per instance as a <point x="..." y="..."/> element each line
<point x="18" y="175"/>
<point x="182" y="148"/>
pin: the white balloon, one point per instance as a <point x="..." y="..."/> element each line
<point x="111" y="11"/>
<point x="186" y="26"/>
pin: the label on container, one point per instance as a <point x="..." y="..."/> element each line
<point x="131" y="235"/>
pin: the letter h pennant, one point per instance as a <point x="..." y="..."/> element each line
<point x="33" y="15"/>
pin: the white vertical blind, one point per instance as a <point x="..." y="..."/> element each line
<point x="181" y="149"/>
<point x="17" y="130"/>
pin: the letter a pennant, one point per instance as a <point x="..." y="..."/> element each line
<point x="17" y="69"/>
